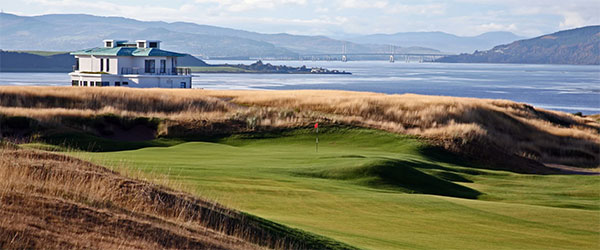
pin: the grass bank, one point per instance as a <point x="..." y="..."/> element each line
<point x="56" y="201"/>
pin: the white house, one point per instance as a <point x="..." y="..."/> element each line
<point x="140" y="65"/>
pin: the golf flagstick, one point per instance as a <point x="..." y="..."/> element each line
<point x="317" y="141"/>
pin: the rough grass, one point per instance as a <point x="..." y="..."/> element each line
<point x="55" y="201"/>
<point x="499" y="133"/>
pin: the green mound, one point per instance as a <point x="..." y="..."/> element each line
<point x="398" y="174"/>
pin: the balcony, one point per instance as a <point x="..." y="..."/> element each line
<point x="139" y="71"/>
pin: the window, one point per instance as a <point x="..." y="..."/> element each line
<point x="163" y="66"/>
<point x="75" y="83"/>
<point x="105" y="84"/>
<point x="141" y="45"/>
<point x="109" y="44"/>
<point x="85" y="83"/>
<point x="107" y="64"/>
<point x="153" y="45"/>
<point x="101" y="64"/>
<point x="182" y="85"/>
<point x="98" y="84"/>
<point x="76" y="64"/>
<point x="125" y="83"/>
<point x="149" y="66"/>
<point x="117" y="84"/>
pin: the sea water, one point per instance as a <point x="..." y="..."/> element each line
<point x="569" y="88"/>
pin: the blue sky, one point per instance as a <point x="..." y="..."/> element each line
<point x="339" y="17"/>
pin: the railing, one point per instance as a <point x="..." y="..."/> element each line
<point x="183" y="71"/>
<point x="172" y="71"/>
<point x="130" y="71"/>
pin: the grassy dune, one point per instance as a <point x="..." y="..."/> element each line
<point x="502" y="134"/>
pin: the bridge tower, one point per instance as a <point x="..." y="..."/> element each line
<point x="344" y="57"/>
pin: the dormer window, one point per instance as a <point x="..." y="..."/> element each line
<point x="109" y="44"/>
<point x="153" y="45"/>
<point x="141" y="44"/>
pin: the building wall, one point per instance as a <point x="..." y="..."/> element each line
<point x="134" y="81"/>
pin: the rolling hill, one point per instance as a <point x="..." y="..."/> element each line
<point x="575" y="46"/>
<point x="68" y="32"/>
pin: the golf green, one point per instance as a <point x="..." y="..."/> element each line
<point x="377" y="190"/>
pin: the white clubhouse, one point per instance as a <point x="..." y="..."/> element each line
<point x="140" y="65"/>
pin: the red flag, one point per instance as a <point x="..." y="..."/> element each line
<point x="316" y="125"/>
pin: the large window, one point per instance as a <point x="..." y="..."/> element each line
<point x="76" y="64"/>
<point x="75" y="82"/>
<point x="107" y="64"/>
<point x="149" y="66"/>
<point x="163" y="66"/>
<point x="101" y="64"/>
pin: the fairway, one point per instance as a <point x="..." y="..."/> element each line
<point x="377" y="190"/>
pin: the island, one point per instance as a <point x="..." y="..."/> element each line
<point x="262" y="68"/>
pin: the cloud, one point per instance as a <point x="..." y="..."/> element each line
<point x="496" y="27"/>
<point x="361" y="4"/>
<point x="420" y="9"/>
<point x="462" y="17"/>
<point x="246" y="5"/>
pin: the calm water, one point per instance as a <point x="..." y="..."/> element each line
<point x="560" y="87"/>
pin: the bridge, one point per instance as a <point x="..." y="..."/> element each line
<point x="344" y="56"/>
<point x="392" y="55"/>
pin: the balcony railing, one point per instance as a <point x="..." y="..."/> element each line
<point x="171" y="71"/>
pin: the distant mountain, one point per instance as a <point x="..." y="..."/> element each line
<point x="440" y="40"/>
<point x="575" y="46"/>
<point x="39" y="61"/>
<point x="11" y="61"/>
<point x="68" y="32"/>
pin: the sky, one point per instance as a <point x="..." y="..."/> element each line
<point x="339" y="18"/>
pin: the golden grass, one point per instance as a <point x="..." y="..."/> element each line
<point x="499" y="132"/>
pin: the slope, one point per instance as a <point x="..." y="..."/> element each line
<point x="54" y="201"/>
<point x="575" y="46"/>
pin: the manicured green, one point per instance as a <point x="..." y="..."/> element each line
<point x="377" y="190"/>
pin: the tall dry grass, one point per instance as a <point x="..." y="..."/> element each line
<point x="499" y="132"/>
